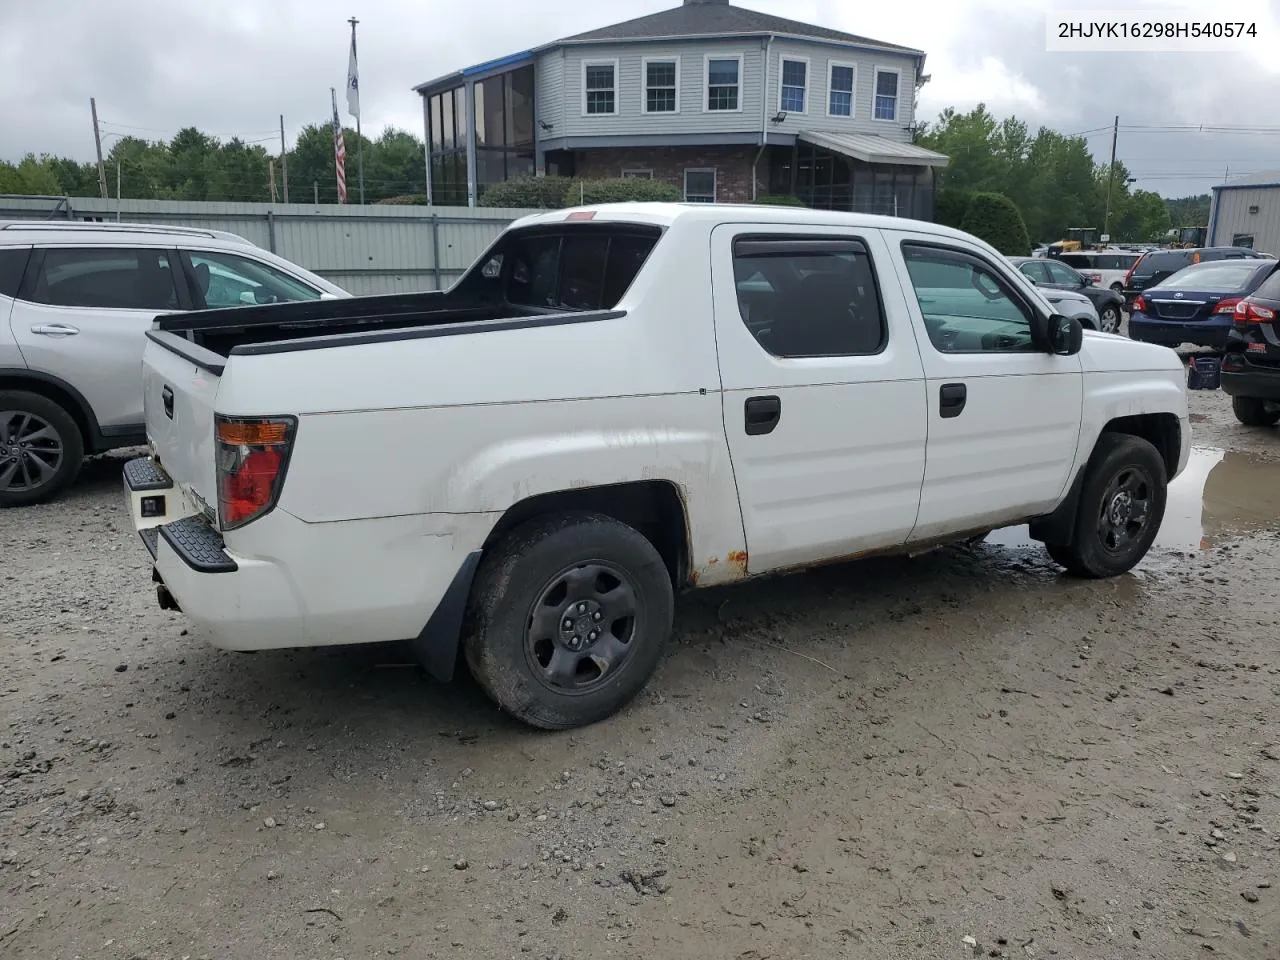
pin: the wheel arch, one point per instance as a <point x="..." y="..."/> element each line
<point x="655" y="508"/>
<point x="1162" y="430"/>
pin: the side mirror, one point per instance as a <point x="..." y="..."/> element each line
<point x="1066" y="335"/>
<point x="1086" y="281"/>
<point x="1057" y="334"/>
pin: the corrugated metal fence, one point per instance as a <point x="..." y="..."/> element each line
<point x="363" y="249"/>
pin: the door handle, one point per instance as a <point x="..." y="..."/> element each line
<point x="951" y="398"/>
<point x="762" y="414"/>
<point x="55" y="330"/>
<point x="166" y="398"/>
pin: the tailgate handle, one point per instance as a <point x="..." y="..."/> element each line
<point x="166" y="397"/>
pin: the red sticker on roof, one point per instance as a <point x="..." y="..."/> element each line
<point x="582" y="215"/>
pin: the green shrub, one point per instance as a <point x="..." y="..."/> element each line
<point x="406" y="200"/>
<point x="527" y="193"/>
<point x="995" y="218"/>
<point x="779" y="200"/>
<point x="950" y="205"/>
<point x="621" y="190"/>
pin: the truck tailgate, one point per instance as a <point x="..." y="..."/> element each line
<point x="178" y="399"/>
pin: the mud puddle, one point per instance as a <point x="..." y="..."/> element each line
<point x="1221" y="496"/>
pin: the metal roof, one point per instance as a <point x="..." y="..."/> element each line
<point x="872" y="149"/>
<point x="693" y="19"/>
<point x="1263" y="178"/>
<point x="705" y="18"/>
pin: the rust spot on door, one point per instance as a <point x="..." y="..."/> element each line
<point x="738" y="560"/>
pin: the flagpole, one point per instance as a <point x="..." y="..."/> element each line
<point x="359" y="137"/>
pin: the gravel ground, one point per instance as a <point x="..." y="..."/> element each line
<point x="958" y="755"/>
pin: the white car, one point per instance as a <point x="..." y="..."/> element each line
<point x="619" y="402"/>
<point x="1106" y="268"/>
<point x="76" y="302"/>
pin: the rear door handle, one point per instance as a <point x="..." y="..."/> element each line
<point x="762" y="414"/>
<point x="166" y="398"/>
<point x="951" y="398"/>
<point x="55" y="330"/>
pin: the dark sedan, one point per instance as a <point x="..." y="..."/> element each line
<point x="1197" y="304"/>
<point x="1046" y="272"/>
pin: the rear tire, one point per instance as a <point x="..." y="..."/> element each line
<point x="1253" y="412"/>
<point x="1121" y="507"/>
<point x="567" y="619"/>
<point x="41" y="449"/>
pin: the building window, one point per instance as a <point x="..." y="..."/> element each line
<point x="886" y="94"/>
<point x="636" y="174"/>
<point x="840" y="90"/>
<point x="599" y="87"/>
<point x="723" y="74"/>
<point x="700" y="186"/>
<point x="661" y="86"/>
<point x="795" y="77"/>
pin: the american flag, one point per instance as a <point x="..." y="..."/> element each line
<point x="339" y="150"/>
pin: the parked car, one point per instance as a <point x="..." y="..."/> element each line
<point x="1052" y="274"/>
<point x="1152" y="268"/>
<point x="1074" y="305"/>
<point x="618" y="402"/>
<point x="1251" y="365"/>
<point x="76" y="302"/>
<point x="1197" y="304"/>
<point x="1105" y="268"/>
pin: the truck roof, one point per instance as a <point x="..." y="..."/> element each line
<point x="666" y="214"/>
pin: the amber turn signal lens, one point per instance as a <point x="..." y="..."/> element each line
<point x="252" y="433"/>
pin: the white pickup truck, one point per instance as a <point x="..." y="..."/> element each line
<point x="619" y="402"/>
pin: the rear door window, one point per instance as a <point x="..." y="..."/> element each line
<point x="13" y="264"/>
<point x="104" y="278"/>
<point x="809" y="297"/>
<point x="1035" y="270"/>
<point x="1270" y="288"/>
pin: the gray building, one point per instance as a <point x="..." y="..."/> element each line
<point x="1246" y="213"/>
<point x="725" y="103"/>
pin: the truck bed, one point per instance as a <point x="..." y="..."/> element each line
<point x="221" y="331"/>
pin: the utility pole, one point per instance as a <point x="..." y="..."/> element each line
<point x="1111" y="175"/>
<point x="97" y="142"/>
<point x="315" y="192"/>
<point x="271" y="174"/>
<point x="353" y="75"/>
<point x="284" y="162"/>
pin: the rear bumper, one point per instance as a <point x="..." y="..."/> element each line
<point x="1168" y="333"/>
<point x="280" y="582"/>
<point x="1260" y="383"/>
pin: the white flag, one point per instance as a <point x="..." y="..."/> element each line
<point x="353" y="82"/>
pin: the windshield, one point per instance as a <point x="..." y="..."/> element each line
<point x="1213" y="277"/>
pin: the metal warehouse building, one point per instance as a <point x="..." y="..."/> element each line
<point x="1246" y="213"/>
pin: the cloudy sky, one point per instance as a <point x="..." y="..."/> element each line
<point x="231" y="67"/>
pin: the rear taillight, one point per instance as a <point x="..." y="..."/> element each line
<point x="1247" y="311"/>
<point x="252" y="454"/>
<point x="1139" y="304"/>
<point x="1227" y="305"/>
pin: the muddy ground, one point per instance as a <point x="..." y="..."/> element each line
<point x="964" y="754"/>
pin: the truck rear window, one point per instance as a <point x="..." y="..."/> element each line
<point x="583" y="267"/>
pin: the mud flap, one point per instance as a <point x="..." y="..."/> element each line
<point x="436" y="647"/>
<point x="1059" y="526"/>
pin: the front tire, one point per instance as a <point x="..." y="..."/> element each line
<point x="1121" y="506"/>
<point x="1109" y="320"/>
<point x="41" y="449"/>
<point x="1253" y="412"/>
<point x="568" y="617"/>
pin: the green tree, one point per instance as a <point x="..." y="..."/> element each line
<point x="995" y="218"/>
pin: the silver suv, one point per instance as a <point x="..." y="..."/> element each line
<point x="76" y="301"/>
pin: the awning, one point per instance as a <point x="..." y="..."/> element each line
<point x="872" y="149"/>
